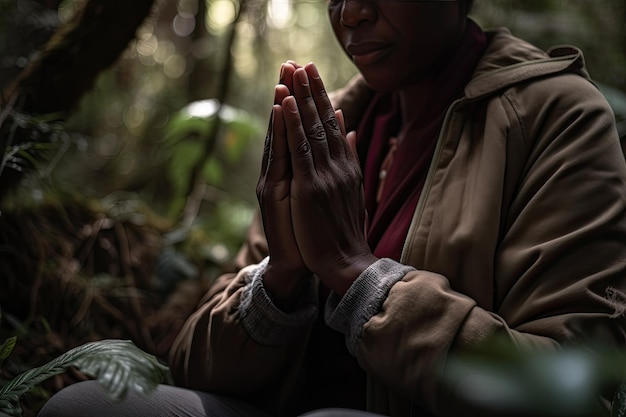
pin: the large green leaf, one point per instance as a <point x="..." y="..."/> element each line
<point x="185" y="136"/>
<point x="118" y="365"/>
<point x="195" y="121"/>
<point x="184" y="156"/>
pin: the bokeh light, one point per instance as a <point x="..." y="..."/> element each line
<point x="280" y="14"/>
<point x="184" y="24"/>
<point x="220" y="14"/>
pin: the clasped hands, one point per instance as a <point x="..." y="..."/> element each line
<point x="310" y="191"/>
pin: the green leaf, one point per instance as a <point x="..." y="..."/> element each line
<point x="213" y="171"/>
<point x="118" y="365"/>
<point x="6" y="348"/>
<point x="184" y="156"/>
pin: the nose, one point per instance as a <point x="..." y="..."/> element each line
<point x="356" y="12"/>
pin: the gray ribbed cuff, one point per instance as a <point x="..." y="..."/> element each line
<point x="363" y="299"/>
<point x="266" y="323"/>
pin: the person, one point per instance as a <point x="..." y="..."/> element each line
<point x="465" y="184"/>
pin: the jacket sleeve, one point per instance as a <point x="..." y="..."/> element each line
<point x="238" y="343"/>
<point x="558" y="267"/>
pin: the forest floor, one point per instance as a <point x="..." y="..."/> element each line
<point x="72" y="274"/>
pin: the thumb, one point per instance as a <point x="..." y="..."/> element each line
<point x="351" y="139"/>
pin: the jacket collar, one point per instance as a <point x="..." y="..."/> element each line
<point x="509" y="60"/>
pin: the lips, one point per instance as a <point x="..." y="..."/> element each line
<point x="367" y="53"/>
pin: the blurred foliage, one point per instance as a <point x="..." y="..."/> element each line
<point x="502" y="378"/>
<point x="175" y="61"/>
<point x="185" y="136"/>
<point x="33" y="144"/>
<point x="176" y="57"/>
<point x="597" y="27"/>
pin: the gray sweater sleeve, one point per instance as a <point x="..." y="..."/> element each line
<point x="363" y="299"/>
<point x="266" y="323"/>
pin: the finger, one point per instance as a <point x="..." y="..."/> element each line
<point x="294" y="63"/>
<point x="278" y="164"/>
<point x="334" y="136"/>
<point x="286" y="75"/>
<point x="280" y="92"/>
<point x="341" y="121"/>
<point x="351" y="140"/>
<point x="299" y="146"/>
<point x="273" y="192"/>
<point x="267" y="146"/>
<point x="310" y="117"/>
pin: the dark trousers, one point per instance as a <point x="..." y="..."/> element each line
<point x="88" y="399"/>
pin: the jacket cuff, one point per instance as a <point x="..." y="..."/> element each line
<point x="263" y="321"/>
<point x="363" y="300"/>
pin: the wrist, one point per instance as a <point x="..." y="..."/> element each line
<point x="341" y="279"/>
<point x="284" y="286"/>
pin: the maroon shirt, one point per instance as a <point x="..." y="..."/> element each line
<point x="389" y="218"/>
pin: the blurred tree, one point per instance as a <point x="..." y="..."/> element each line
<point x="26" y="25"/>
<point x="59" y="75"/>
<point x="597" y="27"/>
<point x="56" y="79"/>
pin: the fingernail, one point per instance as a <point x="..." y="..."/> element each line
<point x="282" y="72"/>
<point x="304" y="78"/>
<point x="313" y="71"/>
<point x="290" y="104"/>
<point x="339" y="116"/>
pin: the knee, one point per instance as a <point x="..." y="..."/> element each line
<point x="76" y="400"/>
<point x="338" y="412"/>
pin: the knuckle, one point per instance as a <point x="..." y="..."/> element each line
<point x="304" y="149"/>
<point x="317" y="132"/>
<point x="332" y="123"/>
<point x="349" y="175"/>
<point x="356" y="176"/>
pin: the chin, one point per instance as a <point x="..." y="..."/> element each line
<point x="382" y="81"/>
<point x="382" y="84"/>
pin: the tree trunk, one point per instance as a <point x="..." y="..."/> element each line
<point x="64" y="70"/>
<point x="70" y="62"/>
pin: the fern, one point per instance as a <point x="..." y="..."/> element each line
<point x="118" y="365"/>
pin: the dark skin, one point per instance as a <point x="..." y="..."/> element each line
<point x="310" y="189"/>
<point x="310" y="192"/>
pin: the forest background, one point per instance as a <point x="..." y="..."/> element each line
<point x="122" y="195"/>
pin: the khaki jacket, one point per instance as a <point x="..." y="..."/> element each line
<point x="520" y="230"/>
